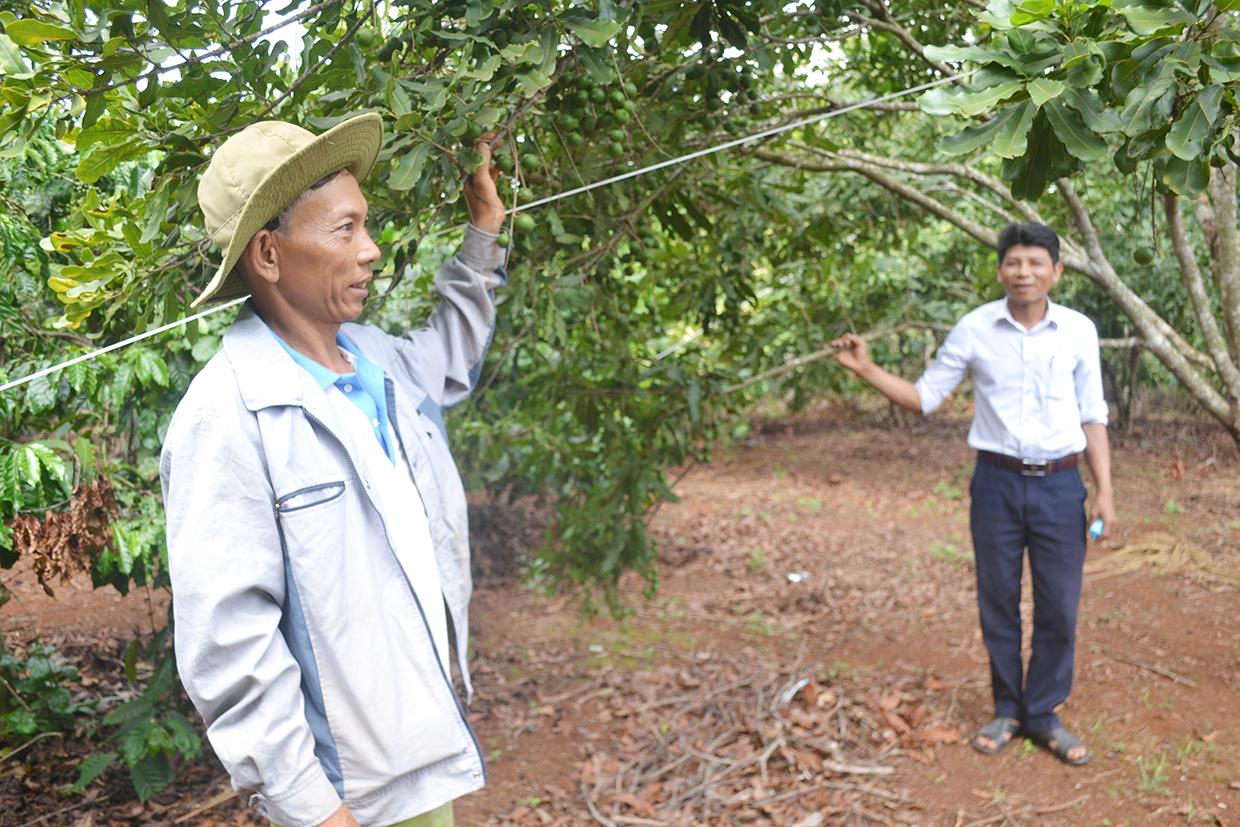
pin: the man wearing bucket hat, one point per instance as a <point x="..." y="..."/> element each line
<point x="317" y="528"/>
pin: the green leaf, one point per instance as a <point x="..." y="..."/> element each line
<point x="1098" y="118"/>
<point x="597" y="63"/>
<point x="151" y="368"/>
<point x="998" y="14"/>
<point x="1186" y="178"/>
<point x="975" y="137"/>
<point x="53" y="467"/>
<point x="184" y="736"/>
<point x="131" y="661"/>
<point x="129" y="711"/>
<point x="1145" y="64"/>
<point x="1010" y="139"/>
<point x="105" y="157"/>
<point x="1196" y="123"/>
<point x="1075" y="135"/>
<point x="940" y="101"/>
<point x="91" y="768"/>
<point x="31" y="32"/>
<point x="157" y="13"/>
<point x="976" y="54"/>
<point x="85" y="453"/>
<point x="82" y="378"/>
<point x="1031" y="10"/>
<point x="533" y="81"/>
<point x="1148" y="105"/>
<point x="41" y="394"/>
<point x="11" y="61"/>
<point x="12" y="480"/>
<point x="150" y="775"/>
<point x="1148" y="20"/>
<point x="1042" y="90"/>
<point x="527" y="51"/>
<point x="1087" y="73"/>
<point x="132" y="740"/>
<point x="1044" y="161"/>
<point x="1076" y="51"/>
<point x="972" y="137"/>
<point x="96" y="102"/>
<point x="407" y="170"/>
<point x="124" y="545"/>
<point x="592" y="31"/>
<point x="109" y="131"/>
<point x="550" y="50"/>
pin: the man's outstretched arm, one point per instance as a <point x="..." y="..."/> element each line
<point x="855" y="356"/>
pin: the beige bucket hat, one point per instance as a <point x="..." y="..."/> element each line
<point x="262" y="169"/>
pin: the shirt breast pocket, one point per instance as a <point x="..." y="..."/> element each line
<point x="1061" y="382"/>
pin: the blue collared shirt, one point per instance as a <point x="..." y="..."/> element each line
<point x="365" y="387"/>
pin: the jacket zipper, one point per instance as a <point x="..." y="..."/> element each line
<point x="421" y="613"/>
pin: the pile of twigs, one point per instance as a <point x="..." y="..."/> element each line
<point x="721" y="744"/>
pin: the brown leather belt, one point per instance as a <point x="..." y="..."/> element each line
<point x="1029" y="468"/>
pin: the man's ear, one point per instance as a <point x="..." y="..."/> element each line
<point x="261" y="259"/>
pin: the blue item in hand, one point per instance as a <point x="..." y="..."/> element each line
<point x="1095" y="529"/>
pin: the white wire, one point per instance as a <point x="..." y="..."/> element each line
<point x="118" y="345"/>
<point x="624" y="176"/>
<point x="757" y="136"/>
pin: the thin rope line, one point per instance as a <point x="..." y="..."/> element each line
<point x="757" y="136"/>
<point x="118" y="345"/>
<point x="624" y="176"/>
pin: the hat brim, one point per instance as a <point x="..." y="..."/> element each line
<point x="352" y="145"/>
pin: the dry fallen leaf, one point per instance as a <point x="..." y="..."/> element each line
<point x="937" y="735"/>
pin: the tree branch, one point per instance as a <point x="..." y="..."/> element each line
<point x="1190" y="272"/>
<point x="960" y="171"/>
<point x="1127" y="343"/>
<point x="807" y="358"/>
<point x="833" y="162"/>
<point x="1225" y="258"/>
<point x="323" y="61"/>
<point x="1161" y="339"/>
<point x="883" y="21"/>
<point x="216" y="52"/>
<point x="976" y="197"/>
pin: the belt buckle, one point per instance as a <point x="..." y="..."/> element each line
<point x="1030" y="468"/>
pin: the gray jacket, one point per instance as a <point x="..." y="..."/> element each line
<point x="298" y="634"/>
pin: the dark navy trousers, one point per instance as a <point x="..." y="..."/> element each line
<point x="1046" y="515"/>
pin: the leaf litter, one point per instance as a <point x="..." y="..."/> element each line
<point x="727" y="742"/>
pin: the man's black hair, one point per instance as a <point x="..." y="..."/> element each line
<point x="1029" y="235"/>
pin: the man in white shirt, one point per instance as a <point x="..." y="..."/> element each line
<point x="1037" y="386"/>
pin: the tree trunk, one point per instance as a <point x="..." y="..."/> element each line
<point x="1195" y="371"/>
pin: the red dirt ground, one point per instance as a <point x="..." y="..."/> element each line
<point x="872" y="520"/>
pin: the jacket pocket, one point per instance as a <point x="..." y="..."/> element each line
<point x="310" y="497"/>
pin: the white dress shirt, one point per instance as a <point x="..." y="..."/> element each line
<point x="1032" y="389"/>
